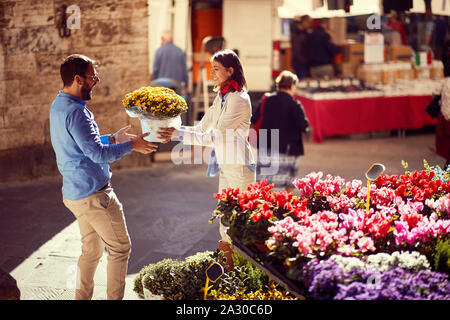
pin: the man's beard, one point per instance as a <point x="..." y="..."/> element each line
<point x="86" y="92"/>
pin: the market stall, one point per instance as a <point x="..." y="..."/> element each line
<point x="349" y="116"/>
<point x="339" y="107"/>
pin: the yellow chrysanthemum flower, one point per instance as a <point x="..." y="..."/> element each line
<point x="159" y="101"/>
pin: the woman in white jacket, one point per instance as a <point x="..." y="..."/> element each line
<point x="225" y="127"/>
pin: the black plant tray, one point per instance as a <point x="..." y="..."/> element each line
<point x="272" y="272"/>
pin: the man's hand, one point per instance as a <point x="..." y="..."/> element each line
<point x="139" y="144"/>
<point x="122" y="135"/>
<point x="167" y="134"/>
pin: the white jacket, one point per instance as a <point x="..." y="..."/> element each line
<point x="445" y="99"/>
<point x="226" y="129"/>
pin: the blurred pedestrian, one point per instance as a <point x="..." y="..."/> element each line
<point x="398" y="30"/>
<point x="170" y="61"/>
<point x="321" y="51"/>
<point x="82" y="157"/>
<point x="443" y="124"/>
<point x="446" y="57"/>
<point x="299" y="30"/>
<point x="281" y="114"/>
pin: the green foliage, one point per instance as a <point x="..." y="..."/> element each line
<point x="155" y="270"/>
<point x="244" y="278"/>
<point x="439" y="174"/>
<point x="257" y="279"/>
<point x="185" y="280"/>
<point x="405" y="166"/>
<point x="175" y="279"/>
<point x="442" y="256"/>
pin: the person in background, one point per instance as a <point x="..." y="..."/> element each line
<point x="436" y="35"/>
<point x="224" y="127"/>
<point x="321" y="51"/>
<point x="398" y="28"/>
<point x="170" y="61"/>
<point x="82" y="157"/>
<point x="446" y="57"/>
<point x="299" y="29"/>
<point x="442" y="140"/>
<point x="284" y="113"/>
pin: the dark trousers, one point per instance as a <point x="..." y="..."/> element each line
<point x="302" y="72"/>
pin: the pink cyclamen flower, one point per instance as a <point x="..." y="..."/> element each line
<point x="331" y="185"/>
<point x="441" y="205"/>
<point x="355" y="236"/>
<point x="383" y="196"/>
<point x="365" y="244"/>
<point x="306" y="185"/>
<point x="354" y="219"/>
<point x="353" y="187"/>
<point x="341" y="203"/>
<point x="346" y="250"/>
<point x="410" y="212"/>
<point x="379" y="222"/>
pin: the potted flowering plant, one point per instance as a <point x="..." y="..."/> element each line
<point x="155" y="107"/>
<point x="247" y="213"/>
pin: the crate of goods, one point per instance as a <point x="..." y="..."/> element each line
<point x="423" y="73"/>
<point x="437" y="70"/>
<point x="371" y="73"/>
<point x="400" y="53"/>
<point x="403" y="71"/>
<point x="354" y="54"/>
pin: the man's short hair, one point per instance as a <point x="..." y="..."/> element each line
<point x="285" y="80"/>
<point x="75" y="64"/>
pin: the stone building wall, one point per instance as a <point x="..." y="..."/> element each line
<point x="113" y="32"/>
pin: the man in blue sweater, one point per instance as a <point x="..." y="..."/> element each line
<point x="82" y="156"/>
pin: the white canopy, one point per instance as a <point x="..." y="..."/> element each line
<point x="291" y="8"/>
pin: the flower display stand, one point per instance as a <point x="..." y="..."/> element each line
<point x="340" y="240"/>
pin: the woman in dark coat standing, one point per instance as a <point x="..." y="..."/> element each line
<point x="281" y="121"/>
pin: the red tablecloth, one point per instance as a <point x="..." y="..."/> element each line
<point x="348" y="116"/>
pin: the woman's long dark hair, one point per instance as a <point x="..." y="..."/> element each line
<point x="228" y="58"/>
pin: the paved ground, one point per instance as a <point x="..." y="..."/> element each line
<point x="167" y="208"/>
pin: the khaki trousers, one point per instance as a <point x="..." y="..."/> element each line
<point x="102" y="223"/>
<point x="234" y="176"/>
<point x="322" y="71"/>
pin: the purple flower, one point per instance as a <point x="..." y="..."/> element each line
<point x="325" y="280"/>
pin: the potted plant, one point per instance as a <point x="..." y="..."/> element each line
<point x="155" y="107"/>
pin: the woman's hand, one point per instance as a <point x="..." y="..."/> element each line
<point x="167" y="134"/>
<point x="122" y="135"/>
